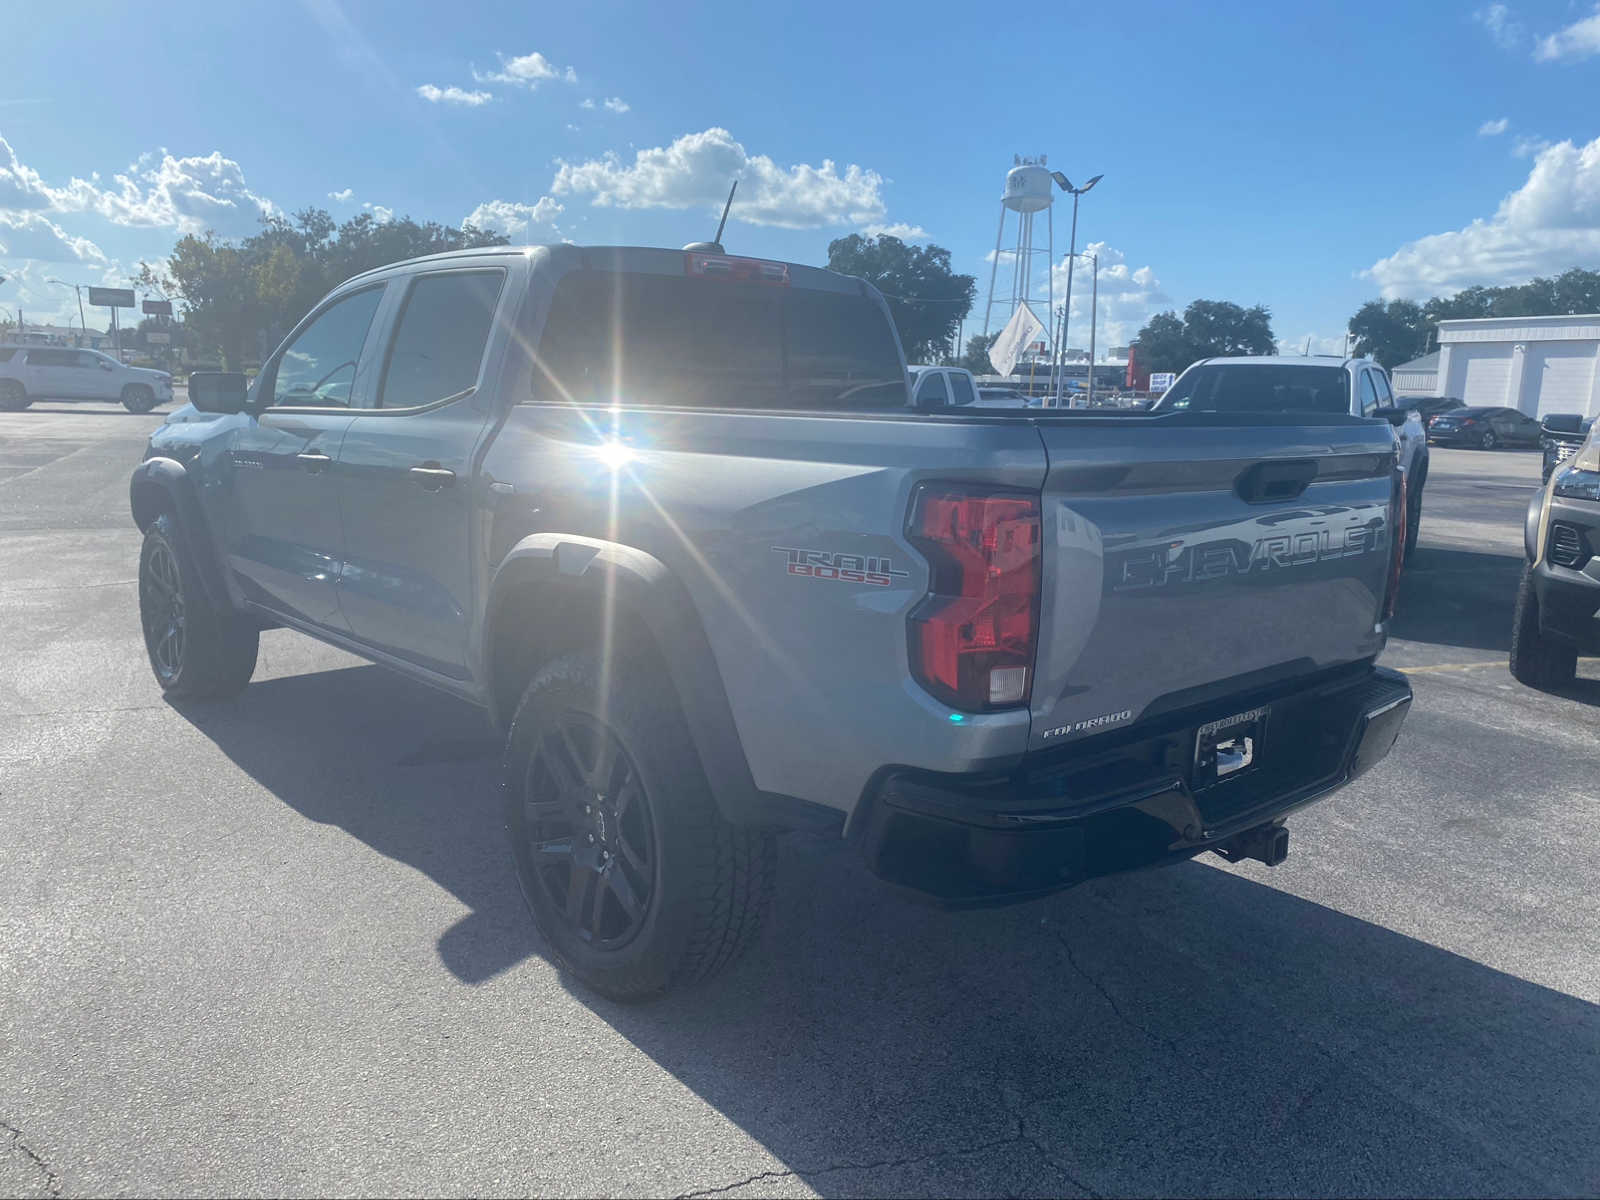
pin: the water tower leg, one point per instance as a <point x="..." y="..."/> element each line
<point x="1050" y="280"/>
<point x="994" y="268"/>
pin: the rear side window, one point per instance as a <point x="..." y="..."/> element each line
<point x="1385" y="396"/>
<point x="962" y="387"/>
<point x="932" y="389"/>
<point x="440" y="338"/>
<point x="50" y="358"/>
<point x="1369" y="394"/>
<point x="613" y="337"/>
<point x="1261" y="387"/>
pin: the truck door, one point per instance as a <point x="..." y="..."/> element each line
<point x="284" y="534"/>
<point x="407" y="470"/>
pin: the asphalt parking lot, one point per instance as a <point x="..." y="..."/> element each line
<point x="275" y="945"/>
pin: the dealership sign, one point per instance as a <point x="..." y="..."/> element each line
<point x="111" y="297"/>
<point x="1160" y="381"/>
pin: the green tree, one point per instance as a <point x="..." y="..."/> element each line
<point x="1162" y="344"/>
<point x="1392" y="332"/>
<point x="976" y="358"/>
<point x="927" y="299"/>
<point x="1208" y="328"/>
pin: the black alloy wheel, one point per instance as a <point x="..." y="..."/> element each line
<point x="590" y="832"/>
<point x="161" y="611"/>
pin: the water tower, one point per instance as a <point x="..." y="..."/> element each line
<point x="1028" y="192"/>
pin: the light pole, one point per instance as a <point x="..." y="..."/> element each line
<point x="1094" y="313"/>
<point x="1065" y="185"/>
<point x="83" y="327"/>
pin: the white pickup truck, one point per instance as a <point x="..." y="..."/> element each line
<point x="1318" y="384"/>
<point x="955" y="387"/>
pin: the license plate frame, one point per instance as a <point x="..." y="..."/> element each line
<point x="1230" y="747"/>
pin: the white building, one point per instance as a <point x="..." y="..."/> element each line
<point x="1417" y="377"/>
<point x="1539" y="365"/>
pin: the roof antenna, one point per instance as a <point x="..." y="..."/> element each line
<point x="715" y="246"/>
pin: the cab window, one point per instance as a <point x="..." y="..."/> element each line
<point x="1369" y="394"/>
<point x="440" y="338"/>
<point x="961" y="385"/>
<point x="933" y="391"/>
<point x="318" y="368"/>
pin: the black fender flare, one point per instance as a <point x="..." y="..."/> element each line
<point x="646" y="591"/>
<point x="163" y="485"/>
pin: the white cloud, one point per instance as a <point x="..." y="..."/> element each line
<point x="697" y="168"/>
<point x="344" y="196"/>
<point x="1494" y="128"/>
<point x="1550" y="223"/>
<point x="587" y="103"/>
<point x="1503" y="27"/>
<point x="30" y="235"/>
<point x="617" y="104"/>
<point x="380" y="213"/>
<point x="1318" y="343"/>
<point x="453" y="95"/>
<point x="906" y="233"/>
<point x="22" y="188"/>
<point x="1579" y="40"/>
<point x="190" y="194"/>
<point x="513" y="219"/>
<point x="526" y="70"/>
<point x="1527" y="147"/>
<point x="1128" y="297"/>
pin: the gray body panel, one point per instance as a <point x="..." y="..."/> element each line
<point x="815" y="671"/>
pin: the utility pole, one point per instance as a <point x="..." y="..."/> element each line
<point x="1065" y="185"/>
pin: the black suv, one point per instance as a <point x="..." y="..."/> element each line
<point x="1563" y="434"/>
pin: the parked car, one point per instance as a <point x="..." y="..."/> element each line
<point x="29" y="373"/>
<point x="1563" y="433"/>
<point x="1554" y="620"/>
<point x="1484" y="428"/>
<point x="716" y="579"/>
<point x="1429" y="407"/>
<point x="1316" y="384"/>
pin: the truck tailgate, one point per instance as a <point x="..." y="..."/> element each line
<point x="1201" y="555"/>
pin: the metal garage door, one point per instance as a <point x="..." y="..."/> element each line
<point x="1487" y="371"/>
<point x="1558" y="379"/>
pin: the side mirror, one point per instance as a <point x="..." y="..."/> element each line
<point x="1395" y="416"/>
<point x="105" y="366"/>
<point x="218" y="391"/>
<point x="1563" y="423"/>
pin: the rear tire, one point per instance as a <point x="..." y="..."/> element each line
<point x="1537" y="659"/>
<point x="137" y="398"/>
<point x="195" y="648"/>
<point x="633" y="876"/>
<point x="13" y="396"/>
<point x="1487" y="440"/>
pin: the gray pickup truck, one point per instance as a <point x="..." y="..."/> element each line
<point x="671" y="519"/>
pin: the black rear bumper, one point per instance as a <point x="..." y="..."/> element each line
<point x="1126" y="800"/>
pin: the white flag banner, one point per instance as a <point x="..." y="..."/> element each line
<point x="1019" y="331"/>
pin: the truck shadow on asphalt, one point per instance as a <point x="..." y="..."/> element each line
<point x="1458" y="598"/>
<point x="1180" y="1031"/>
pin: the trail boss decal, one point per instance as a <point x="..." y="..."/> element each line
<point x="841" y="568"/>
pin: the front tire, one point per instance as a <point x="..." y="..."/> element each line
<point x="195" y="648"/>
<point x="1414" y="514"/>
<point x="137" y="398"/>
<point x="13" y="396"/>
<point x="633" y="876"/>
<point x="1537" y="659"/>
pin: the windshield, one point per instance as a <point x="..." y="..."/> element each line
<point x="1259" y="387"/>
<point x="662" y="340"/>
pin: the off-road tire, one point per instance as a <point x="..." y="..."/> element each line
<point x="13" y="396"/>
<point x="138" y="398"/>
<point x="711" y="880"/>
<point x="1414" y="513"/>
<point x="215" y="654"/>
<point x="1537" y="659"/>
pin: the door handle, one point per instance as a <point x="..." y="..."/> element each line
<point x="314" y="460"/>
<point x="433" y="477"/>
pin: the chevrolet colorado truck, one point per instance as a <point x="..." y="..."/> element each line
<point x="1320" y="383"/>
<point x="670" y="518"/>
<point x="1554" y="620"/>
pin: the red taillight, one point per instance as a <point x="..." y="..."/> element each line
<point x="1397" y="546"/>
<point x="736" y="270"/>
<point x="972" y="640"/>
<point x="1470" y="421"/>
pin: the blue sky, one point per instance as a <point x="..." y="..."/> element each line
<point x="1305" y="157"/>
